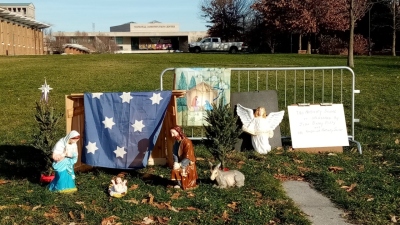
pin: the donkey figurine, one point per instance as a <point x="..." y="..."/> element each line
<point x="226" y="179"/>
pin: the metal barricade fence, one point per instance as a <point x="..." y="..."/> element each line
<point x="294" y="85"/>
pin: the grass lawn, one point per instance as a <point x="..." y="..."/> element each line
<point x="364" y="186"/>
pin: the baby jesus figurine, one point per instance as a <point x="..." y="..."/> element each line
<point x="118" y="187"/>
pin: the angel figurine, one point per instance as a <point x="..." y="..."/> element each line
<point x="260" y="125"/>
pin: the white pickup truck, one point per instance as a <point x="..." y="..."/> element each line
<point x="215" y="44"/>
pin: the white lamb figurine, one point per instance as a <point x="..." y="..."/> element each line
<point x="226" y="179"/>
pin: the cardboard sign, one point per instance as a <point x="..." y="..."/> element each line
<point x="318" y="126"/>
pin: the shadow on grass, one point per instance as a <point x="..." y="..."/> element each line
<point x="146" y="175"/>
<point x="21" y="162"/>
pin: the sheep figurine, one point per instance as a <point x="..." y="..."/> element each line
<point x="226" y="179"/>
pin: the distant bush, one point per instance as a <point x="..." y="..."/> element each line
<point x="331" y="45"/>
<point x="336" y="46"/>
<point x="360" y="45"/>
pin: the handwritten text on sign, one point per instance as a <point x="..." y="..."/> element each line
<point x="318" y="126"/>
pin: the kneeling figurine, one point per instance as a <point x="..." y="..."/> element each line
<point x="118" y="187"/>
<point x="225" y="179"/>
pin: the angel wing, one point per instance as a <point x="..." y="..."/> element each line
<point x="274" y="119"/>
<point x="247" y="117"/>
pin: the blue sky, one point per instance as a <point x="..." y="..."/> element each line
<point x="83" y="15"/>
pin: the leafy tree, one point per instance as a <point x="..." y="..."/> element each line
<point x="222" y="131"/>
<point x="304" y="17"/>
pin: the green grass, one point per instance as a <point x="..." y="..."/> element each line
<point x="376" y="173"/>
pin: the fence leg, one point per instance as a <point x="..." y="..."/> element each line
<point x="358" y="145"/>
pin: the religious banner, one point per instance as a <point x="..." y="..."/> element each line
<point x="121" y="129"/>
<point x="203" y="86"/>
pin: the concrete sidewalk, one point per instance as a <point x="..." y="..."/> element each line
<point x="320" y="210"/>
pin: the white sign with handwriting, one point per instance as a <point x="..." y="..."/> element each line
<point x="318" y="126"/>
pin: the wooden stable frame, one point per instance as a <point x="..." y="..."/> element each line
<point x="162" y="152"/>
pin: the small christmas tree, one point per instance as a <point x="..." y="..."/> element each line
<point x="45" y="136"/>
<point x="222" y="131"/>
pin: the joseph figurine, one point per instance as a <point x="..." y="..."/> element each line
<point x="184" y="170"/>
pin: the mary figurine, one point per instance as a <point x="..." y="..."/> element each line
<point x="65" y="155"/>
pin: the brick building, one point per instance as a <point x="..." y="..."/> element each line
<point x="20" y="33"/>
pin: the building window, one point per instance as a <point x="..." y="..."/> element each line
<point x="119" y="40"/>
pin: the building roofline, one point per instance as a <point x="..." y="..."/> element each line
<point x="16" y="4"/>
<point x="4" y="13"/>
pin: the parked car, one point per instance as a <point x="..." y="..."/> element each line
<point x="210" y="44"/>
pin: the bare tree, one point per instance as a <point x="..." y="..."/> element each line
<point x="60" y="41"/>
<point x="394" y="8"/>
<point x="356" y="9"/>
<point x="227" y="18"/>
<point x="49" y="40"/>
<point x="105" y="44"/>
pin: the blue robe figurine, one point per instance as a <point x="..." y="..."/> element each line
<point x="65" y="155"/>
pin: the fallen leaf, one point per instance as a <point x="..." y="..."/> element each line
<point x="305" y="169"/>
<point x="225" y="216"/>
<point x="232" y="205"/>
<point x="29" y="191"/>
<point x="3" y="207"/>
<point x="82" y="216"/>
<point x="190" y="194"/>
<point x="132" y="200"/>
<point x="200" y="159"/>
<point x="71" y="215"/>
<point x="149" y="200"/>
<point x="340" y="182"/>
<point x="397" y="141"/>
<point x="370" y="199"/>
<point x="80" y="203"/>
<point x="257" y="194"/>
<point x="173" y="209"/>
<point x="133" y="187"/>
<point x="170" y="207"/>
<point x="160" y="205"/>
<point x="335" y="168"/>
<point x="332" y="154"/>
<point x="393" y="218"/>
<point x="349" y="188"/>
<point x="352" y="186"/>
<point x="163" y="220"/>
<point x="175" y="195"/>
<point x="25" y="207"/>
<point x="148" y="220"/>
<point x="36" y="207"/>
<point x="109" y="220"/>
<point x="191" y="208"/>
<point x="298" y="161"/>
